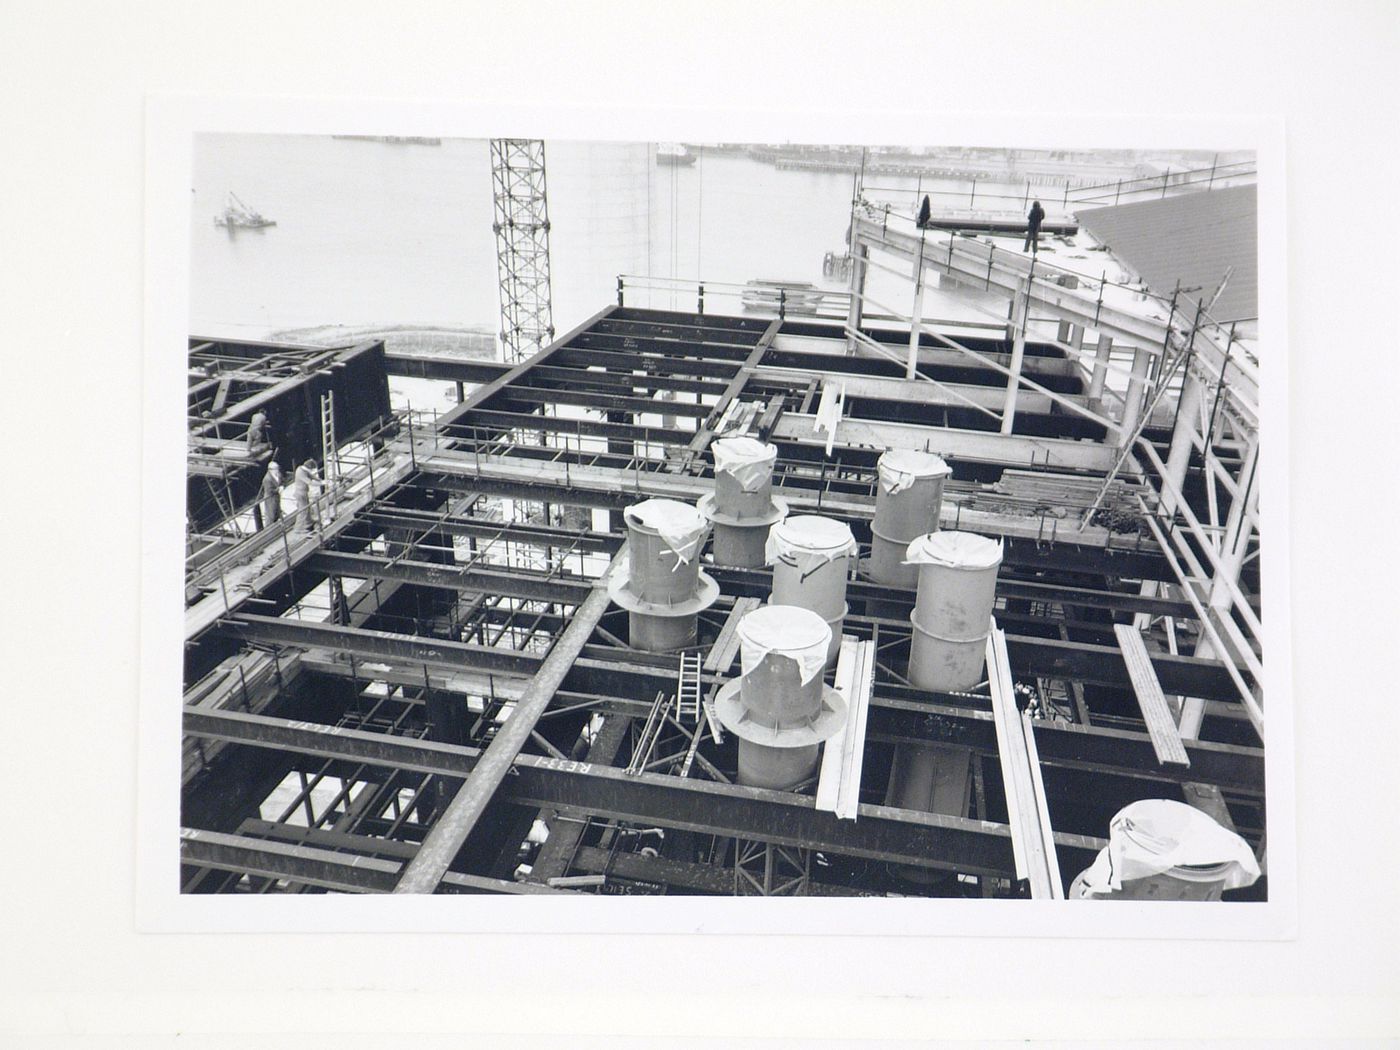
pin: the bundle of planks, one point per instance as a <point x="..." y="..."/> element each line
<point x="1067" y="495"/>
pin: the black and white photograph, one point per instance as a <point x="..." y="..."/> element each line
<point x="723" y="519"/>
<point x="764" y="524"/>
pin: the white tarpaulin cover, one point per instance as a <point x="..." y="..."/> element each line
<point x="682" y="527"/>
<point x="810" y="541"/>
<point x="901" y="467"/>
<point x="796" y="633"/>
<point x="958" y="550"/>
<point x="749" y="461"/>
<point x="1156" y="834"/>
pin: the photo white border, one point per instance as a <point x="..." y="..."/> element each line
<point x="172" y="121"/>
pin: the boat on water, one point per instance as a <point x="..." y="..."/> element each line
<point x="238" y="216"/>
<point x="674" y="153"/>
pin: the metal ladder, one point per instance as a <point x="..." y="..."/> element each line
<point x="328" y="445"/>
<point x="646" y="741"/>
<point x="688" y="688"/>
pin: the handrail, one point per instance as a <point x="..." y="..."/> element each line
<point x="874" y="211"/>
<point x="330" y="493"/>
<point x="1251" y="706"/>
<point x="1201" y="330"/>
<point x="1168" y="180"/>
<point x="1021" y="379"/>
<point x="865" y="340"/>
<point x="1212" y="555"/>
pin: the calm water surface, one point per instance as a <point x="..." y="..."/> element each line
<point x="378" y="233"/>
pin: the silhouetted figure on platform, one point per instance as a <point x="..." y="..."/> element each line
<point x="925" y="213"/>
<point x="259" y="433"/>
<point x="1033" y="221"/>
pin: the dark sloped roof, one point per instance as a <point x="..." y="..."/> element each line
<point x="1194" y="239"/>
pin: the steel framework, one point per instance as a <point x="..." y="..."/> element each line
<point x="522" y="246"/>
<point x="426" y="692"/>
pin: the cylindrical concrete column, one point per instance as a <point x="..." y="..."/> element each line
<point x="663" y="588"/>
<point x="957" y="575"/>
<point x="811" y="558"/>
<point x="779" y="708"/>
<point x="742" y="507"/>
<point x="907" y="501"/>
<point x="1159" y="849"/>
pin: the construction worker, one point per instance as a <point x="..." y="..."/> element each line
<point x="267" y="510"/>
<point x="258" y="438"/>
<point x="306" y="476"/>
<point x="1033" y="221"/>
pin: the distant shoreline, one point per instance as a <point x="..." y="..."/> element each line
<point x="460" y="339"/>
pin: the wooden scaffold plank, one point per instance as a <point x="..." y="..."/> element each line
<point x="1161" y="726"/>
<point x="838" y="787"/>
<point x="726" y="646"/>
<point x="1032" y="839"/>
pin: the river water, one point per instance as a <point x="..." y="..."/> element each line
<point x="375" y="233"/>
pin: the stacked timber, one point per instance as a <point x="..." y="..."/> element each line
<point x="1069" y="495"/>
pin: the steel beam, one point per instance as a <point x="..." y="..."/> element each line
<point x="918" y="391"/>
<point x="973" y="446"/>
<point x="697" y="878"/>
<point x="444" y="367"/>
<point x="783" y="818"/>
<point x="880" y="833"/>
<point x="705" y="434"/>
<point x="616" y="488"/>
<point x="493" y="421"/>
<point x="1091" y="749"/>
<point x="449" y="833"/>
<point x="625" y="684"/>
<point x="484" y="393"/>
<point x="323" y="741"/>
<point x="629" y="382"/>
<point x="522" y="394"/>
<point x="308" y="634"/>
<point x="512" y="583"/>
<point x="313" y="866"/>
<point x="650" y="362"/>
<point x="564" y="836"/>
<point x="737" y="582"/>
<point x="517" y="532"/>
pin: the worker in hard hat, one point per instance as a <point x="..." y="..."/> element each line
<point x="303" y="481"/>
<point x="267" y="510"/>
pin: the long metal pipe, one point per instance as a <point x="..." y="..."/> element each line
<point x="450" y="832"/>
<point x="1251" y="706"/>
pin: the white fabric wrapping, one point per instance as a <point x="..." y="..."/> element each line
<point x="1155" y="835"/>
<point x="810" y="541"/>
<point x="749" y="461"/>
<point x="958" y="550"/>
<point x="682" y="527"/>
<point x="799" y="634"/>
<point x="901" y="467"/>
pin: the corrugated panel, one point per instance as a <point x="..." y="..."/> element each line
<point x="1194" y="239"/>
